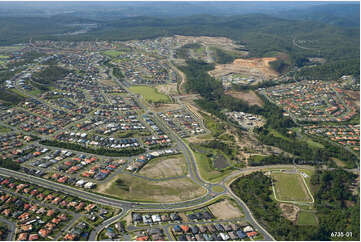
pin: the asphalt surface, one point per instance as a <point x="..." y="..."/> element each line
<point x="127" y="205"/>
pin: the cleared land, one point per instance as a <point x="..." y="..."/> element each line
<point x="306" y="218"/>
<point x="289" y="211"/>
<point x="150" y="94"/>
<point x="248" y="96"/>
<point x="168" y="89"/>
<point x="225" y="210"/>
<point x="256" y="67"/>
<point x="165" y="167"/>
<point x="290" y="187"/>
<point x="138" y="189"/>
<point x="113" y="53"/>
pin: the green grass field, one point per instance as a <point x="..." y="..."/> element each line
<point x="150" y="94"/>
<point x="113" y="53"/>
<point x="306" y="218"/>
<point x="4" y="56"/>
<point x="139" y="189"/>
<point x="290" y="187"/>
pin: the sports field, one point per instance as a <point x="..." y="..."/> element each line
<point x="150" y="94"/>
<point x="290" y="187"/>
<point x="306" y="218"/>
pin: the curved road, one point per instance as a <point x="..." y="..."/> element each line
<point x="125" y="206"/>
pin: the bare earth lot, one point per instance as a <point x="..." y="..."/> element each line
<point x="289" y="211"/>
<point x="168" y="89"/>
<point x="225" y="210"/>
<point x="256" y="67"/>
<point x="248" y="96"/>
<point x="165" y="167"/>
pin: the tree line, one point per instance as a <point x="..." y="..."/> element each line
<point x="99" y="151"/>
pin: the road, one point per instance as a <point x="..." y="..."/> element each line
<point x="125" y="206"/>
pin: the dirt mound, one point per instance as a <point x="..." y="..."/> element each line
<point x="289" y="211"/>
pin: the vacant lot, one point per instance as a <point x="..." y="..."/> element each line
<point x="113" y="53"/>
<point x="248" y="96"/>
<point x="165" y="167"/>
<point x="256" y="67"/>
<point x="129" y="187"/>
<point x="150" y="94"/>
<point x="168" y="89"/>
<point x="289" y="211"/>
<point x="225" y="210"/>
<point x="290" y="187"/>
<point x="306" y="218"/>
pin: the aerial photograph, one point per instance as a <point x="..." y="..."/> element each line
<point x="180" y="120"/>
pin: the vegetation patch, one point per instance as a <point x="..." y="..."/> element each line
<point x="128" y="187"/>
<point x="99" y="151"/>
<point x="4" y="129"/>
<point x="113" y="53"/>
<point x="150" y="94"/>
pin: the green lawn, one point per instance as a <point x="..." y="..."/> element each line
<point x="4" y="56"/>
<point x="290" y="187"/>
<point x="150" y="94"/>
<point x="306" y="218"/>
<point x="113" y="53"/>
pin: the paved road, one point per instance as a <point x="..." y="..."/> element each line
<point x="127" y="205"/>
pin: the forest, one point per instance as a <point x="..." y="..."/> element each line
<point x="50" y="74"/>
<point x="331" y="193"/>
